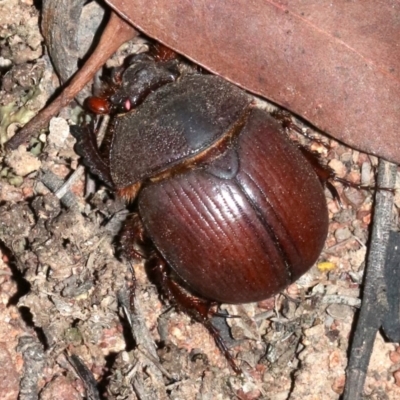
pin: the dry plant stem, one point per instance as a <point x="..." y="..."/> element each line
<point x="34" y="362"/>
<point x="147" y="348"/>
<point x="66" y="187"/>
<point x="86" y="376"/>
<point x="115" y="34"/>
<point x="54" y="183"/>
<point x="374" y="304"/>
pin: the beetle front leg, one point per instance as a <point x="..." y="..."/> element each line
<point x="196" y="307"/>
<point x="86" y="147"/>
<point x="134" y="242"/>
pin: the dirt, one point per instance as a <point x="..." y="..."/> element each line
<point x="63" y="278"/>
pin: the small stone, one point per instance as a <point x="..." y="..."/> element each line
<point x="335" y="359"/>
<point x="338" y="384"/>
<point x="396" y="376"/>
<point x="338" y="167"/>
<point x="394" y="357"/>
<point x="22" y="162"/>
<point x="342" y="234"/>
<point x="58" y="132"/>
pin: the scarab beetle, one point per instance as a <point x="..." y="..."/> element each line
<point x="228" y="209"/>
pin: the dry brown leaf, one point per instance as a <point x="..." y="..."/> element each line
<point x="336" y="64"/>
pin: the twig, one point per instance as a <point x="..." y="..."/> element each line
<point x="374" y="305"/>
<point x="54" y="183"/>
<point x="115" y="34"/>
<point x="86" y="376"/>
<point x="391" y="321"/>
<point x="34" y="359"/>
<point x="341" y="299"/>
<point x="66" y="186"/>
<point x="147" y="350"/>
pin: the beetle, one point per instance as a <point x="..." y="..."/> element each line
<point x="229" y="210"/>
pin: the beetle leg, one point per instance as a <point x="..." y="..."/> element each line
<point x="285" y="118"/>
<point x="197" y="308"/>
<point x="325" y="173"/>
<point x="86" y="147"/>
<point x="134" y="242"/>
<point x="345" y="182"/>
<point x="162" y="53"/>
